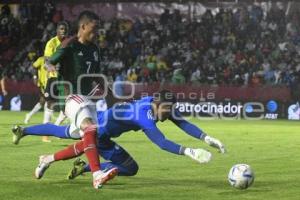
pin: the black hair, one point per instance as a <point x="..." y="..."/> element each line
<point x="166" y="96"/>
<point x="87" y="16"/>
<point x="63" y="23"/>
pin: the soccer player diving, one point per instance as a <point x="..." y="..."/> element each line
<point x="137" y="115"/>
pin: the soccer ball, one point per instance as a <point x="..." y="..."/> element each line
<point x="241" y="176"/>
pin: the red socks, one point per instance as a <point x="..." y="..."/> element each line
<point x="90" y="148"/>
<point x="87" y="145"/>
<point x="71" y="151"/>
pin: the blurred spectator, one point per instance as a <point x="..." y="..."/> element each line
<point x="132" y="76"/>
<point x="196" y="76"/>
<point x="232" y="46"/>
<point x="165" y="17"/>
<point x="178" y="77"/>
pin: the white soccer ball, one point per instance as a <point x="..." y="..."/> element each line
<point x="241" y="176"/>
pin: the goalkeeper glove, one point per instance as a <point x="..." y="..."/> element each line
<point x="199" y="155"/>
<point x="215" y="143"/>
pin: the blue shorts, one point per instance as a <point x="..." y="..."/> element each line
<point x="110" y="150"/>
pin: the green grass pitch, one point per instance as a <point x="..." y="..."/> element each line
<point x="270" y="147"/>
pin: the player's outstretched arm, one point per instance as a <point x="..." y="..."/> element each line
<point x="196" y="132"/>
<point x="199" y="155"/>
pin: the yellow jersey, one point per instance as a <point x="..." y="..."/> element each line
<point x="50" y="48"/>
<point x="39" y="64"/>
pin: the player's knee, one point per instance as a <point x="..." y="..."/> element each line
<point x="133" y="168"/>
<point x="87" y="123"/>
<point x="89" y="131"/>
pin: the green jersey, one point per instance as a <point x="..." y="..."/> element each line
<point x="77" y="59"/>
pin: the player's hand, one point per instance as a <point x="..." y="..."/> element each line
<point x="199" y="155"/>
<point x="215" y="143"/>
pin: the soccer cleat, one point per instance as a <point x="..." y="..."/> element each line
<point x="215" y="143"/>
<point x="17" y="133"/>
<point x="102" y="177"/>
<point x="41" y="168"/>
<point x="78" y="168"/>
<point x="27" y="118"/>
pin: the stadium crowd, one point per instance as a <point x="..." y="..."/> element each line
<point x="245" y="47"/>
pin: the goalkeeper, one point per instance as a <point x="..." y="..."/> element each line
<point x="137" y="115"/>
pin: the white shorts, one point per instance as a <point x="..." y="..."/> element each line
<point x="77" y="109"/>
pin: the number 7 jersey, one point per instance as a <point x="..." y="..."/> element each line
<point x="77" y="59"/>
